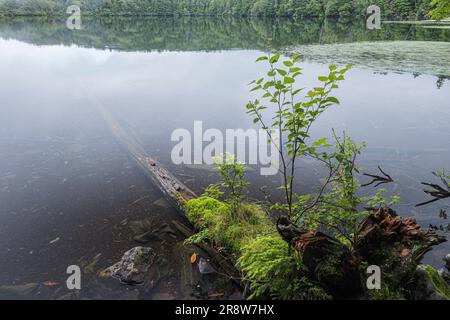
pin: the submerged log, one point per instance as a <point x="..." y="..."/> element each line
<point x="174" y="190"/>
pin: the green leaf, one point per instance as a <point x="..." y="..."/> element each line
<point x="274" y="59"/>
<point x="288" y="63"/>
<point x="262" y="58"/>
<point x="334" y="100"/>
<point x="288" y="80"/>
<point x="323" y="79"/>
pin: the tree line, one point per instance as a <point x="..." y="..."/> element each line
<point x="400" y="9"/>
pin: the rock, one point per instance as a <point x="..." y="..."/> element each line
<point x="447" y="262"/>
<point x="429" y="285"/>
<point x="133" y="266"/>
<point x="205" y="267"/>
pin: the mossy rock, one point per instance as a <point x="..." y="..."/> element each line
<point x="430" y="285"/>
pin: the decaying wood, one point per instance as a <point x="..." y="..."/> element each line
<point x="329" y="262"/>
<point x="174" y="190"/>
<point x="384" y="239"/>
<point x="382" y="231"/>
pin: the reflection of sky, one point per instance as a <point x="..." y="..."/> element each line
<point x="404" y="120"/>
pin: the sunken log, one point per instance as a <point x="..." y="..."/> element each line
<point x="176" y="192"/>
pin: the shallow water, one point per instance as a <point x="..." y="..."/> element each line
<point x="67" y="189"/>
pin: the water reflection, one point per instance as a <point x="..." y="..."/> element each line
<point x="206" y="34"/>
<point x="63" y="176"/>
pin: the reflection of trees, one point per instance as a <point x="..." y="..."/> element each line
<point x="203" y="33"/>
<point x="206" y="33"/>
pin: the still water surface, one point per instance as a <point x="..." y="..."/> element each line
<point x="68" y="192"/>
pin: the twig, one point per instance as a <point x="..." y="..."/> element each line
<point x="438" y="193"/>
<point x="378" y="179"/>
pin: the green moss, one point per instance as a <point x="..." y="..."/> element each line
<point x="438" y="282"/>
<point x="203" y="211"/>
<point x="226" y="229"/>
<point x="252" y="240"/>
<point x="275" y="273"/>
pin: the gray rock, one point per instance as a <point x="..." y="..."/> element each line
<point x="447" y="262"/>
<point x="429" y="284"/>
<point x="205" y="267"/>
<point x="133" y="266"/>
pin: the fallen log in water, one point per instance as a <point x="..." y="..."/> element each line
<point x="174" y="190"/>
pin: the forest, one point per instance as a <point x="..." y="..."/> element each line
<point x="392" y="9"/>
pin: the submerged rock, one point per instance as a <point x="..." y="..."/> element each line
<point x="430" y="285"/>
<point x="133" y="266"/>
<point x="205" y="267"/>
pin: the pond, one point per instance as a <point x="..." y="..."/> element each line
<point x="69" y="194"/>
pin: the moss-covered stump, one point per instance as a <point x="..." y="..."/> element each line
<point x="330" y="263"/>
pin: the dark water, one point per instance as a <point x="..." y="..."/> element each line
<point x="68" y="192"/>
